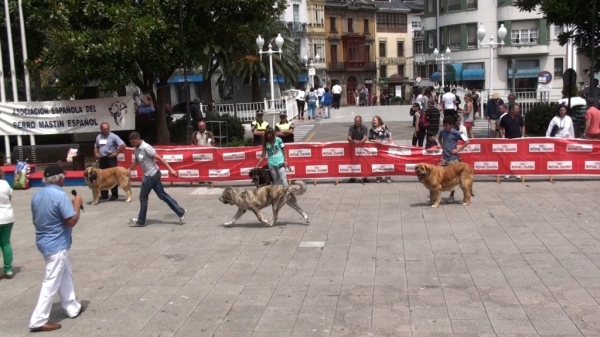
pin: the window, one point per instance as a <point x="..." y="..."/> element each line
<point x="524" y="36"/>
<point x="367" y="57"/>
<point x="472" y="35"/>
<point x="431" y="39"/>
<point x="296" y="11"/>
<point x="318" y="15"/>
<point x="416" y="25"/>
<point x="557" y="31"/>
<point x="558" y="67"/>
<point x="525" y="64"/>
<point x="400" y="47"/>
<point x="477" y="65"/>
<point x="382" y="71"/>
<point x="454" y="37"/>
<point x="401" y="71"/>
<point x="382" y="51"/>
<point x="350" y="25"/>
<point x="418" y="47"/>
<point x="317" y="46"/>
<point x="297" y="42"/>
<point x="441" y="4"/>
<point x="471" y="4"/>
<point x="430" y="8"/>
<point x="454" y="5"/>
<point x="332" y="24"/>
<point x="333" y="53"/>
<point x="389" y="22"/>
<point x="366" y="24"/>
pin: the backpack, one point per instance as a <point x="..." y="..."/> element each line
<point x="424" y="120"/>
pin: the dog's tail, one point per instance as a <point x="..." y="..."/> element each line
<point x="298" y="191"/>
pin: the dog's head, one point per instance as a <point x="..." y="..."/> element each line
<point x="256" y="175"/>
<point x="90" y="174"/>
<point x="228" y="196"/>
<point x="423" y="170"/>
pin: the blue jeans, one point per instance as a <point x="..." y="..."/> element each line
<point x="278" y="175"/>
<point x="154" y="183"/>
<point x="312" y="108"/>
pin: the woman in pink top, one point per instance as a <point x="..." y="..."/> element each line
<point x="592" y="123"/>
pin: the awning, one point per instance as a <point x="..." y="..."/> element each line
<point x="525" y="73"/>
<point x="436" y="77"/>
<point x="453" y="72"/>
<point x="473" y="75"/>
<point x="196" y="78"/>
<point x="303" y="79"/>
<point x="276" y="79"/>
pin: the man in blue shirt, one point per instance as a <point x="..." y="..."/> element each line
<point x="54" y="216"/>
<point x="107" y="148"/>
<point x="448" y="140"/>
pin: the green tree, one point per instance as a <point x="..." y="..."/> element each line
<point x="248" y="64"/>
<point x="576" y="13"/>
<point x="116" y="42"/>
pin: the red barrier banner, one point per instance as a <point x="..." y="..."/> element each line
<point x="524" y="156"/>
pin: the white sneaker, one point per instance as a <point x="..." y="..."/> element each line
<point x="506" y="177"/>
<point x="518" y="177"/>
<point x="182" y="218"/>
<point x="134" y="222"/>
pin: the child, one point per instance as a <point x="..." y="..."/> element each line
<point x="449" y="138"/>
<point x="432" y="144"/>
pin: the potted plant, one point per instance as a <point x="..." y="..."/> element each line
<point x="396" y="100"/>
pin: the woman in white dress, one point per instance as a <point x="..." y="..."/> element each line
<point x="561" y="126"/>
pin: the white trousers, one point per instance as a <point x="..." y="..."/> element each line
<point x="59" y="278"/>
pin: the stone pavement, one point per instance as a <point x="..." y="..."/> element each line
<point x="521" y="260"/>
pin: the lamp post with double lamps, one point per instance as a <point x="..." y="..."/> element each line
<point x="442" y="59"/>
<point x="260" y="42"/>
<point x="310" y="67"/>
<point x="492" y="45"/>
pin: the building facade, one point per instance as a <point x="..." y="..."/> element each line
<point x="530" y="44"/>
<point x="350" y="42"/>
<point x="392" y="48"/>
<point x="296" y="19"/>
<point x="316" y="40"/>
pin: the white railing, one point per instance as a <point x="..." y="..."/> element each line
<point x="246" y="112"/>
<point x="525" y="99"/>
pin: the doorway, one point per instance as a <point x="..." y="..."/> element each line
<point x="351" y="85"/>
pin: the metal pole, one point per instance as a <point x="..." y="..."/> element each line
<point x="443" y="85"/>
<point x="234" y="98"/>
<point x="186" y="87"/>
<point x="272" y="81"/>
<point x="492" y="66"/>
<point x="11" y="58"/>
<point x="3" y="99"/>
<point x="25" y="57"/>
<point x="593" y="58"/>
<point x="514" y="73"/>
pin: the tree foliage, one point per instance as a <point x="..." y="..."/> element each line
<point x="115" y="42"/>
<point x="577" y="13"/>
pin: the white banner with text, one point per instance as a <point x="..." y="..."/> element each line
<point x="57" y="117"/>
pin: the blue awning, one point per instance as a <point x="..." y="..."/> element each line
<point x="276" y="79"/>
<point x="303" y="79"/>
<point x="436" y="77"/>
<point x="196" y="78"/>
<point x="525" y="73"/>
<point x="473" y="75"/>
<point x="453" y="72"/>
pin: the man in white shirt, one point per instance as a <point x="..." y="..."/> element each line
<point x="320" y="92"/>
<point x="448" y="103"/>
<point x="337" y="95"/>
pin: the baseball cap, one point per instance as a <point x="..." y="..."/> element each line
<point x="283" y="114"/>
<point x="259" y="112"/>
<point x="53" y="170"/>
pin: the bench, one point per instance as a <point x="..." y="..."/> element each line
<point x="48" y="154"/>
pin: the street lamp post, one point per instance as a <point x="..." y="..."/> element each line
<point x="442" y="59"/>
<point x="260" y="42"/>
<point x="492" y="45"/>
<point x="310" y="67"/>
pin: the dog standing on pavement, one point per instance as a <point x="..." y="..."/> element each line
<point x="258" y="198"/>
<point x="446" y="178"/>
<point x="260" y="176"/>
<point x="105" y="179"/>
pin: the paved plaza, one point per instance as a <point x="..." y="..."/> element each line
<point x="521" y="260"/>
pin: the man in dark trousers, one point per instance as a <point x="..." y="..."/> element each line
<point x="492" y="114"/>
<point x="107" y="147"/>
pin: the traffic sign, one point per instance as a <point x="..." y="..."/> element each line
<point x="418" y="79"/>
<point x="544" y="77"/>
<point x="570" y="78"/>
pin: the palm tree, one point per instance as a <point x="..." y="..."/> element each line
<point x="248" y="64"/>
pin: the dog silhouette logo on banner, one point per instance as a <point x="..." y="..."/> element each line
<point x="117" y="110"/>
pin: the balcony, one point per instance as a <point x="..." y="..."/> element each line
<point x="418" y="34"/>
<point x="384" y="61"/>
<point x="316" y="24"/>
<point x="297" y="28"/>
<point x="352" y="65"/>
<point x="524" y="49"/>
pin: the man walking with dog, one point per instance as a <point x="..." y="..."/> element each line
<point x="145" y="155"/>
<point x="107" y="148"/>
<point x="448" y="140"/>
<point x="54" y="216"/>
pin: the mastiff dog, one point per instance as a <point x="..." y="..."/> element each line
<point x="258" y="198"/>
<point x="446" y="178"/>
<point x="260" y="176"/>
<point x="105" y="179"/>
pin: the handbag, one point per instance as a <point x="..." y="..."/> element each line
<point x="554" y="131"/>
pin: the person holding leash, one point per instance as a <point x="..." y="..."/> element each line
<point x="274" y="148"/>
<point x="107" y="148"/>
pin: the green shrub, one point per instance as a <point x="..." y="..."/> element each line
<point x="236" y="142"/>
<point x="538" y="119"/>
<point x="396" y="99"/>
